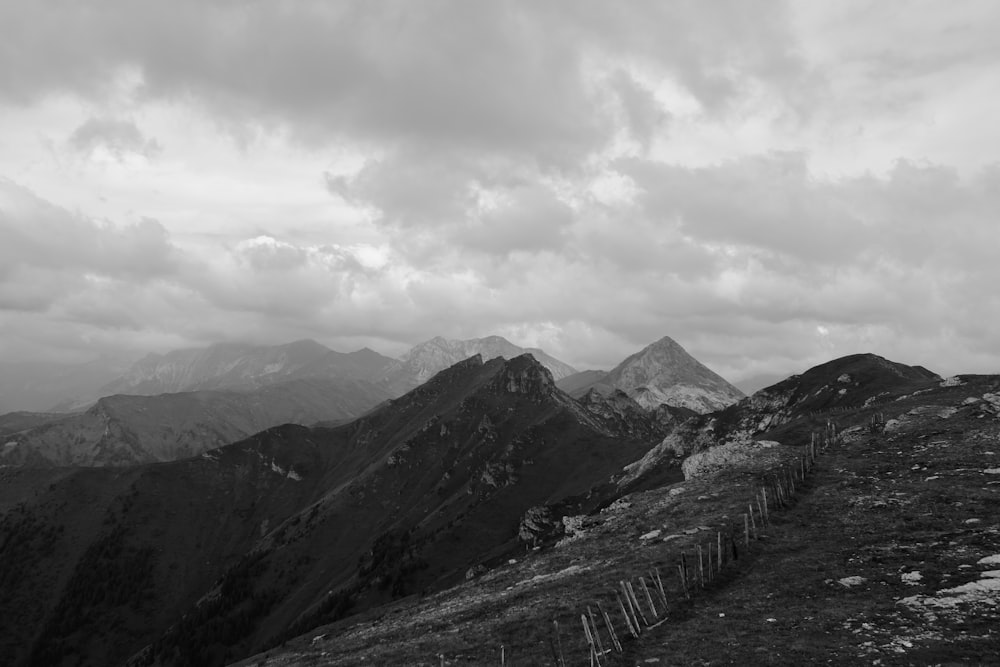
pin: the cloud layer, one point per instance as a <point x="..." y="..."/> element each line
<point x="771" y="185"/>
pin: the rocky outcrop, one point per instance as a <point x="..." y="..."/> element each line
<point x="540" y="525"/>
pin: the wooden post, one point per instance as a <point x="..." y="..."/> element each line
<point x="763" y="519"/>
<point x="611" y="628"/>
<point x="635" y="603"/>
<point x="719" y="549"/>
<point x="649" y="598"/>
<point x="680" y="574"/>
<point x="503" y="656"/>
<point x="655" y="576"/>
<point x="684" y="572"/>
<point x="628" y="619"/>
<point x="753" y="522"/>
<point x="597" y="635"/>
<point x="767" y="514"/>
<point x="701" y="568"/>
<point x="595" y="658"/>
<point x="558" y="643"/>
<point x="746" y="531"/>
<point x="631" y="608"/>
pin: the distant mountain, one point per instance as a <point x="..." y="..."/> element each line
<point x="662" y="373"/>
<point x="237" y="366"/>
<point x="40" y="386"/>
<point x="424" y="360"/>
<point x="127" y="430"/>
<point x="209" y="559"/>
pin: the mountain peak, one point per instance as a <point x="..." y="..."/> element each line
<point x="663" y="373"/>
<point x="525" y="375"/>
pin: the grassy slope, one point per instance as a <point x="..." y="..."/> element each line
<point x="913" y="499"/>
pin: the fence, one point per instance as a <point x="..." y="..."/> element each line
<point x="644" y="601"/>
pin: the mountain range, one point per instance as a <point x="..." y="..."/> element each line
<point x="479" y="483"/>
<point x="186" y="402"/>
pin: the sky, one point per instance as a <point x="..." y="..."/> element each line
<point x="772" y="184"/>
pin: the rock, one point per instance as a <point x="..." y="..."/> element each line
<point x="850" y="582"/>
<point x="911" y="578"/>
<point x="723" y="456"/>
<point x="475" y="571"/>
<point x="989" y="560"/>
<point x="538" y="525"/>
<point x="651" y="535"/>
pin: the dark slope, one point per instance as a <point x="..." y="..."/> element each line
<point x="295" y="526"/>
<point x="128" y="430"/>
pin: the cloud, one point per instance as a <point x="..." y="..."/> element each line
<point x="584" y="175"/>
<point x="118" y="138"/>
<point x="39" y="235"/>
<point x="493" y="76"/>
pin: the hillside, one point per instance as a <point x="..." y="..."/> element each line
<point x="662" y="373"/>
<point x="212" y="558"/>
<point x="127" y="430"/>
<point x="886" y="553"/>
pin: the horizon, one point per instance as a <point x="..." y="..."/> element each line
<point x="752" y="383"/>
<point x="773" y="186"/>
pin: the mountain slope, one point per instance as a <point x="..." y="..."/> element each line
<point x="662" y="373"/>
<point x="436" y="354"/>
<point x="294" y="526"/>
<point x="856" y="381"/>
<point x="886" y="553"/>
<point x="128" y="430"/>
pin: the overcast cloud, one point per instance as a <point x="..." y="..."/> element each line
<point x="771" y="184"/>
